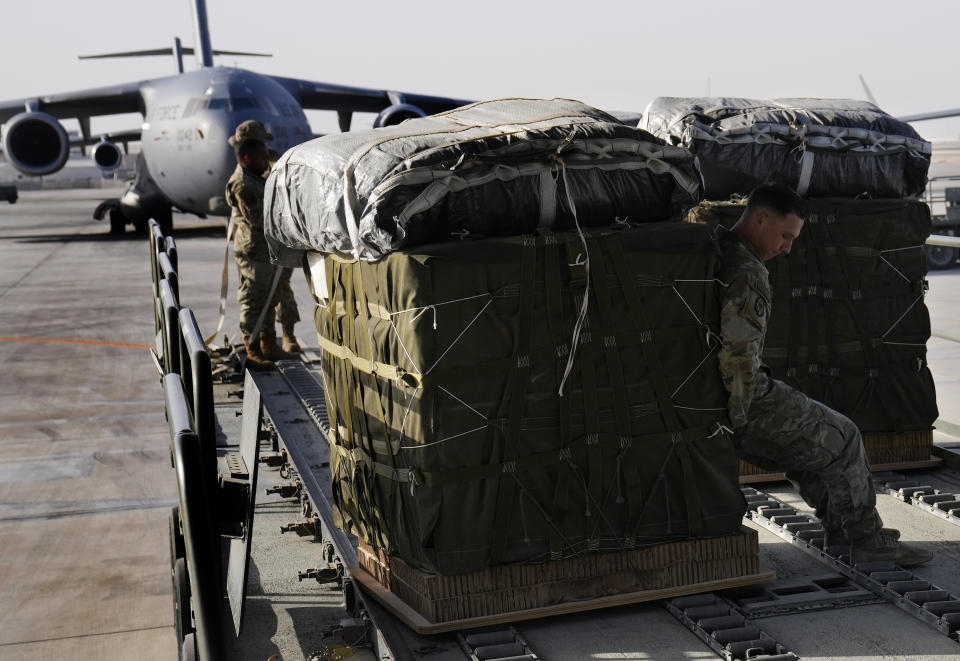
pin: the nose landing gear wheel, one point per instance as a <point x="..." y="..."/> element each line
<point x="118" y="224"/>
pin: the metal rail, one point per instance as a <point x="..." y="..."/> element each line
<point x="922" y="599"/>
<point x="726" y="630"/>
<point x="496" y="644"/>
<point x="725" y="620"/>
<point x="942" y="504"/>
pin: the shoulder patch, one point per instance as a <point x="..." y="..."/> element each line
<point x="755" y="306"/>
<point x="760" y="306"/>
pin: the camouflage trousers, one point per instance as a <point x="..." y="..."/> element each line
<point x="820" y="451"/>
<point x="255" y="280"/>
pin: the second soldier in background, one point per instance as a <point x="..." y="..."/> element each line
<point x="244" y="194"/>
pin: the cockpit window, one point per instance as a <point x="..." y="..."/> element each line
<point x="219" y="104"/>
<point x="197" y="104"/>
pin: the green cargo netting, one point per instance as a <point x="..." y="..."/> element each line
<point x="451" y="447"/>
<point x="849" y="326"/>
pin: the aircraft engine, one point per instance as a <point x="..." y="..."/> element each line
<point x="396" y="113"/>
<point x="35" y="143"/>
<point x="107" y="156"/>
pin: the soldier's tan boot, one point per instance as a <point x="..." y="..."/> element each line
<point x="290" y="344"/>
<point x="255" y="358"/>
<point x="840" y="538"/>
<point x="270" y="349"/>
<point x="880" y="546"/>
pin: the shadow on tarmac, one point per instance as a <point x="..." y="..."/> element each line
<point x="106" y="237"/>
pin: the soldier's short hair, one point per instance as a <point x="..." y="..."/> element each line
<point x="247" y="146"/>
<point x="777" y="197"/>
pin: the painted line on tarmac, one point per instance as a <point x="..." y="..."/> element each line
<point x="68" y="341"/>
<point x="72" y="509"/>
<point x="96" y="454"/>
<point x="89" y="418"/>
<point x="85" y="635"/>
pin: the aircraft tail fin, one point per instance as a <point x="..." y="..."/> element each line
<point x="202" y="48"/>
<point x="176" y="50"/>
<point x="867" y="91"/>
<point x="202" y="34"/>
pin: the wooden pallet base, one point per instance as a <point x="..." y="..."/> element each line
<point x="509" y="593"/>
<point x="886" y="451"/>
<point x="423" y="626"/>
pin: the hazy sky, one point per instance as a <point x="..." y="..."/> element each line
<point x="615" y="55"/>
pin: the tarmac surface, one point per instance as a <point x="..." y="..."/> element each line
<point x="86" y="484"/>
<point x="85" y="479"/>
<point x="84" y="471"/>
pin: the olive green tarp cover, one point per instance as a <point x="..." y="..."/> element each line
<point x="450" y="445"/>
<point x="849" y="326"/>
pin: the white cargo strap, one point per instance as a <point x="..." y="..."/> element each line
<point x="224" y="283"/>
<point x="582" y="315"/>
<point x="270" y="303"/>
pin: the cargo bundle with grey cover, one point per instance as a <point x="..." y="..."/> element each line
<point x="498" y="168"/>
<point x="849" y="326"/>
<point x="820" y="147"/>
<point x="451" y="446"/>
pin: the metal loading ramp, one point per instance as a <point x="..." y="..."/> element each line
<point x="803" y="613"/>
<point x="301" y="602"/>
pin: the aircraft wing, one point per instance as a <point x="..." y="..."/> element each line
<point x="323" y="96"/>
<point x="111" y="100"/>
<point x="940" y="114"/>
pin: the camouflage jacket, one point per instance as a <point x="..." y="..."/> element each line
<point x="744" y="314"/>
<point x="244" y="194"/>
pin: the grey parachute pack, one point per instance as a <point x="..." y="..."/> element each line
<point x="497" y="168"/>
<point x="822" y="147"/>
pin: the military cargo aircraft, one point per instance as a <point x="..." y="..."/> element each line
<point x="185" y="160"/>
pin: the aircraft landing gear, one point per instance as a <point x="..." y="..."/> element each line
<point x="113" y="210"/>
<point x="118" y="224"/>
<point x="164" y="216"/>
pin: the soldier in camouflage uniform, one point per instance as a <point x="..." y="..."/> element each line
<point x="776" y="426"/>
<point x="286" y="310"/>
<point x="244" y="194"/>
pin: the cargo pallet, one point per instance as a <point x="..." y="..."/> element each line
<point x="511" y="593"/>
<point x="211" y="528"/>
